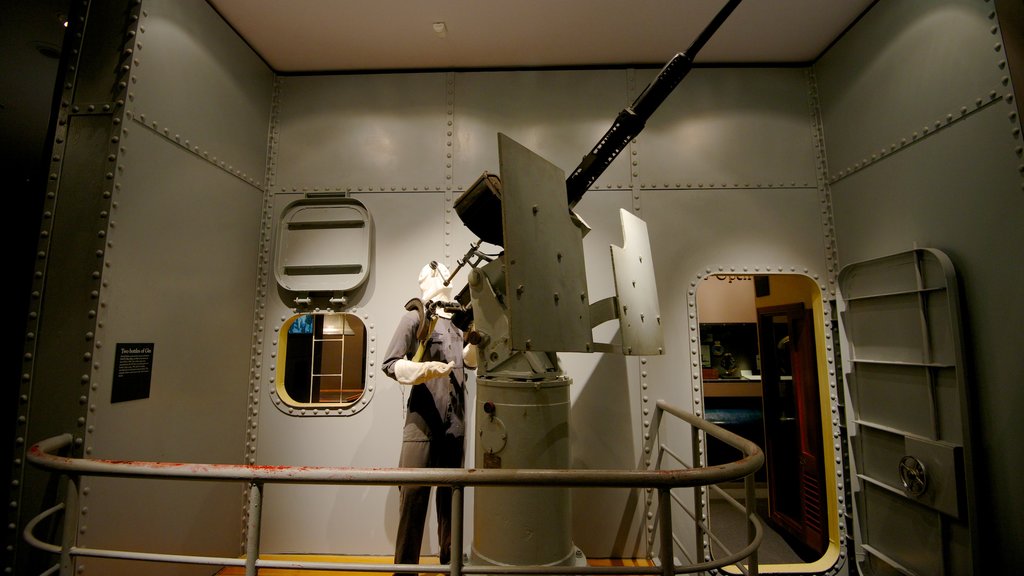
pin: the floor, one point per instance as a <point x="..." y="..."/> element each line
<point x="730" y="526"/>
<point x="727" y="523"/>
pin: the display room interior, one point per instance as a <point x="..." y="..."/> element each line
<point x="456" y="287"/>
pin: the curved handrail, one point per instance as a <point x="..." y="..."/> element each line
<point x="42" y="454"/>
<point x="723" y="561"/>
<point x="30" y="528"/>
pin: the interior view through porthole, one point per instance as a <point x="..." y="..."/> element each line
<point x="764" y="376"/>
<point x="323" y="358"/>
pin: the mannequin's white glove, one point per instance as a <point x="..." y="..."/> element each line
<point x="409" y="372"/>
<point x="469" y="356"/>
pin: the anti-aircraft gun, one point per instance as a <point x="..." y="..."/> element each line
<point x="530" y="302"/>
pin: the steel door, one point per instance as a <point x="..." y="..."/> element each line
<point x="912" y="473"/>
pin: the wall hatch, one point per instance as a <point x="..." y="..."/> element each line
<point x="912" y="474"/>
<point x="323" y="245"/>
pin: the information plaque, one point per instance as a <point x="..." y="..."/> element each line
<point x="133" y="370"/>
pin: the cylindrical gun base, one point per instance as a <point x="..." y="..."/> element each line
<point x="523" y="424"/>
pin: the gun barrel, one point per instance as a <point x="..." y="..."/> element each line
<point x="632" y="119"/>
<point x="480" y="205"/>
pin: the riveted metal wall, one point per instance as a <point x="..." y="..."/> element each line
<point x="361" y="133"/>
<point x="57" y="374"/>
<point x="180" y="271"/>
<point x="150" y="236"/>
<point x="199" y="87"/>
<point x="380" y="139"/>
<point x="180" y="274"/>
<point x="557" y="115"/>
<point x="924" y="149"/>
<point x="328" y="135"/>
<point x="906" y="82"/>
<point x="763" y="231"/>
<point x="1011" y="28"/>
<point x="720" y="128"/>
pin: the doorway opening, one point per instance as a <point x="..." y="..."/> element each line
<point x="765" y="377"/>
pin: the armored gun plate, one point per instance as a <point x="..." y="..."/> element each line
<point x="639" y="312"/>
<point x="545" y="281"/>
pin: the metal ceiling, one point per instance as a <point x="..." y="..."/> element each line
<point x="334" y="35"/>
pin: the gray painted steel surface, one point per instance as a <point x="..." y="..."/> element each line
<point x="162" y="216"/>
<point x="526" y="428"/>
<point x="905" y="67"/>
<point x="54" y="394"/>
<point x="559" y="115"/>
<point x="198" y="85"/>
<point x="724" y="129"/>
<point x="362" y="133"/>
<point x="408" y="229"/>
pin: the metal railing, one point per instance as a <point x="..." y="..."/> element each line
<point x="42" y="454"/>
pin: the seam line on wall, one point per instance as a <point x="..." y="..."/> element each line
<point x="917" y="137"/>
<point x="824" y="188"/>
<point x="195" y="150"/>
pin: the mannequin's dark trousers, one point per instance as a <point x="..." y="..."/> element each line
<point x="446" y="452"/>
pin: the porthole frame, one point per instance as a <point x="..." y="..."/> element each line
<point x="289" y="406"/>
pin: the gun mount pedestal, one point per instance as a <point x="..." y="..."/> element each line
<point x="523" y="424"/>
<point x="522" y="421"/>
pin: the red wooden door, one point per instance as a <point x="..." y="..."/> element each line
<point x="792" y="416"/>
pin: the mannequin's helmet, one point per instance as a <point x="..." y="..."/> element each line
<point x="431" y="280"/>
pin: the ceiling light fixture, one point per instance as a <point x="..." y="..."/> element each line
<point x="441" y="29"/>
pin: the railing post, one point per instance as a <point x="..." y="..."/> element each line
<point x="698" y="496"/>
<point x="751" y="503"/>
<point x="652" y="432"/>
<point x="252" y="535"/>
<point x="457" y="511"/>
<point x="668" y="567"/>
<point x="70" y="532"/>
